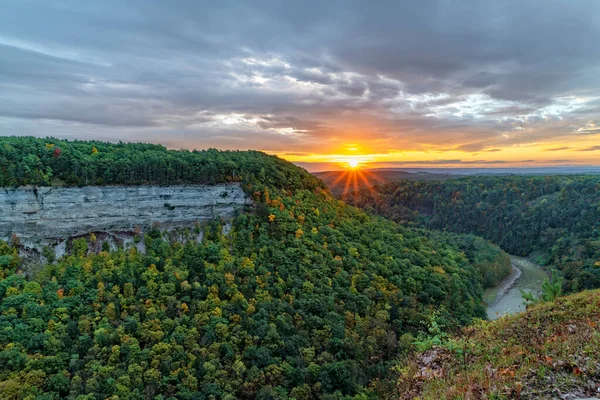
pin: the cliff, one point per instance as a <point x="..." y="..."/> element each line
<point x="45" y="215"/>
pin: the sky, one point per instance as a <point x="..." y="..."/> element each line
<point x="444" y="83"/>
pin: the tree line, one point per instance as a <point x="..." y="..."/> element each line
<point x="50" y="161"/>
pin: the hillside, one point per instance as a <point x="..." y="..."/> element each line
<point x="554" y="219"/>
<point x="301" y="297"/>
<point x="548" y="352"/>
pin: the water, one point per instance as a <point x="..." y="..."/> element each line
<point x="506" y="297"/>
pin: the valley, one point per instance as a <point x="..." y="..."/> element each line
<point x="239" y="275"/>
<point x="299" y="200"/>
<point x="554" y="219"/>
<point x="297" y="295"/>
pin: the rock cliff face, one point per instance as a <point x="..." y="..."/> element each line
<point x="51" y="214"/>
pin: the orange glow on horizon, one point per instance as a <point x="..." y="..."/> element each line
<point x="352" y="161"/>
<point x="540" y="154"/>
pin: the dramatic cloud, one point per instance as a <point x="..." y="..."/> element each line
<point x="306" y="78"/>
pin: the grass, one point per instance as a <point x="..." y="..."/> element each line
<point x="550" y="351"/>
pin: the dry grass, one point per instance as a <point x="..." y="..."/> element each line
<point x="551" y="351"/>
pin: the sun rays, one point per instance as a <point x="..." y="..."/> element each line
<point x="352" y="174"/>
<point x="355" y="178"/>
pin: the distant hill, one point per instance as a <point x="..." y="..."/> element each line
<point x="351" y="180"/>
<point x="528" y="171"/>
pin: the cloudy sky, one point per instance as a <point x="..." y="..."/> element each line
<point x="428" y="82"/>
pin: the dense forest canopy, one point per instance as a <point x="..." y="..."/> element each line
<point x="50" y="161"/>
<point x="554" y="218"/>
<point x="304" y="298"/>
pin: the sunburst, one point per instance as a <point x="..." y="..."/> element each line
<point x="353" y="164"/>
<point x="353" y="179"/>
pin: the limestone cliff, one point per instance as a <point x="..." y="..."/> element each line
<point x="40" y="216"/>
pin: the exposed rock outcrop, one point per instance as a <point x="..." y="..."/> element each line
<point x="46" y="215"/>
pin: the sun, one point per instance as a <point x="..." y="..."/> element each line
<point x="353" y="164"/>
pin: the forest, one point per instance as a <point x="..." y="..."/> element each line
<point x="306" y="297"/>
<point x="553" y="219"/>
<point x="54" y="162"/>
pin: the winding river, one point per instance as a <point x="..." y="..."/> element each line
<point x="506" y="297"/>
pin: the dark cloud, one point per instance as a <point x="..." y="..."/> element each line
<point x="559" y="148"/>
<point x="439" y="75"/>
<point x="476" y="147"/>
<point x="592" y="148"/>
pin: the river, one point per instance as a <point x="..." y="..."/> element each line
<point x="506" y="297"/>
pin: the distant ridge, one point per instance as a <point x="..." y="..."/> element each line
<point x="350" y="180"/>
<point x="553" y="170"/>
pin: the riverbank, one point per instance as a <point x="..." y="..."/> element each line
<point x="506" y="297"/>
<point x="493" y="295"/>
